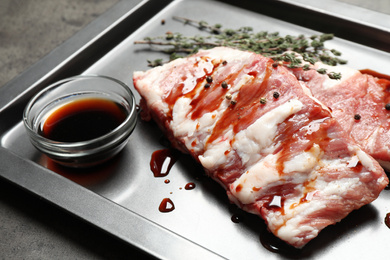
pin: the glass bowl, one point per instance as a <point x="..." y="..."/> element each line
<point x="43" y="118"/>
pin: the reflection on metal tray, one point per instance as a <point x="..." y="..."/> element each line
<point x="123" y="196"/>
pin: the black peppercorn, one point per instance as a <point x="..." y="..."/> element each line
<point x="387" y="106"/>
<point x="209" y="79"/>
<point x="224" y="84"/>
<point x="276" y="95"/>
<point x="357" y="117"/>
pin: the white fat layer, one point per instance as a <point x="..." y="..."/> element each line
<point x="259" y="175"/>
<point x="187" y="129"/>
<point x="259" y="136"/>
<point x="364" y="158"/>
<point x="303" y="162"/>
<point x="237" y="85"/>
<point x="251" y="142"/>
<point x="180" y="124"/>
<point x="214" y="156"/>
<point x="353" y="161"/>
<point x="338" y="187"/>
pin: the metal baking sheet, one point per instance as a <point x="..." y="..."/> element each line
<point x="122" y="197"/>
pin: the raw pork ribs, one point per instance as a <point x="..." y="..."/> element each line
<point x="260" y="134"/>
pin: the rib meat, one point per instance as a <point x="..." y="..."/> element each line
<point x="358" y="102"/>
<point x="276" y="150"/>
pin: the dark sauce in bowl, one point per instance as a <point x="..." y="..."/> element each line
<point x="82" y="119"/>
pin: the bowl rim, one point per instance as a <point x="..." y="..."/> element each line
<point x="131" y="116"/>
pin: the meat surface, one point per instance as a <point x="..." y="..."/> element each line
<point x="276" y="150"/>
<point x="358" y="102"/>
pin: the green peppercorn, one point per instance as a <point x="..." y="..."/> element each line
<point x="263" y="101"/>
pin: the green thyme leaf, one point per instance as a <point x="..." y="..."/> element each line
<point x="270" y="44"/>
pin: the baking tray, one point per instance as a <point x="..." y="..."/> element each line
<point x="122" y="196"/>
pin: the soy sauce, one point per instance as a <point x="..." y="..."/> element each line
<point x="190" y="186"/>
<point x="387" y="220"/>
<point x="166" y="205"/>
<point x="237" y="218"/>
<point x="162" y="161"/>
<point x="82" y="120"/>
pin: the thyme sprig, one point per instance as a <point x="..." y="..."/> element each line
<point x="290" y="51"/>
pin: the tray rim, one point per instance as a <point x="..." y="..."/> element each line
<point x="346" y="11"/>
<point x="47" y="69"/>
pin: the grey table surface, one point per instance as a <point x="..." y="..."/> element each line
<point x="29" y="227"/>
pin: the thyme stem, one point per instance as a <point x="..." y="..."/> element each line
<point x="282" y="49"/>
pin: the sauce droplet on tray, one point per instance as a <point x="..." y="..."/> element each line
<point x="387" y="220"/>
<point x="162" y="162"/>
<point x="190" y="186"/>
<point x="166" y="205"/>
<point x="237" y="218"/>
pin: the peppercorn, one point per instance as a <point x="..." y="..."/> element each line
<point x="224" y="84"/>
<point x="276" y="95"/>
<point x="357" y="117"/>
<point x="387" y="106"/>
<point x="209" y="79"/>
<point x="207" y="85"/>
<point x="263" y="101"/>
